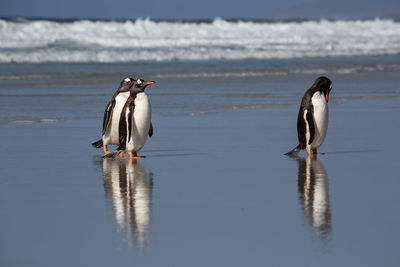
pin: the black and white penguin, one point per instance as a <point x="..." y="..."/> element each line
<point x="112" y="115"/>
<point x="312" y="121"/>
<point x="135" y="122"/>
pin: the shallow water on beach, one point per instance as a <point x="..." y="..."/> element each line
<point x="214" y="188"/>
<point x="32" y="93"/>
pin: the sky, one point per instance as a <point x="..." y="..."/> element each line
<point x="201" y="9"/>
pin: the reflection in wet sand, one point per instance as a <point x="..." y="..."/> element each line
<point x="314" y="195"/>
<point x="130" y="187"/>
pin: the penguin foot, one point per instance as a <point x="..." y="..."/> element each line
<point x="106" y="152"/>
<point x="138" y="157"/>
<point x="315" y="153"/>
<point x="109" y="155"/>
<point x="135" y="156"/>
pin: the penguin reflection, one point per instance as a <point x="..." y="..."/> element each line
<point x="130" y="188"/>
<point x="314" y="195"/>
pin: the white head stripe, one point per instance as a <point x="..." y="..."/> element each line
<point x="127" y="80"/>
<point x="139" y="81"/>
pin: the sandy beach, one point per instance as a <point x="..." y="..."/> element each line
<point x="215" y="188"/>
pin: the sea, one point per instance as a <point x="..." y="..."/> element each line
<point x="53" y="70"/>
<point x="91" y="41"/>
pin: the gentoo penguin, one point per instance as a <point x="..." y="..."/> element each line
<point x="112" y="115"/>
<point x="135" y="122"/>
<point x="312" y="121"/>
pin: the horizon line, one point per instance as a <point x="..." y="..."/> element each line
<point x="196" y="20"/>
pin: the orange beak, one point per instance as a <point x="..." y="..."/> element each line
<point x="148" y="83"/>
<point x="327" y="96"/>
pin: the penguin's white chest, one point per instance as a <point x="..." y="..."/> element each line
<point x="141" y="123"/>
<point x="112" y="135"/>
<point x="321" y="117"/>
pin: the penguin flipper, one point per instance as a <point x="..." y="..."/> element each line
<point x="151" y="130"/>
<point x="126" y="124"/>
<point x="310" y="124"/>
<point x="305" y="125"/>
<point x="107" y="115"/>
<point x="130" y="119"/>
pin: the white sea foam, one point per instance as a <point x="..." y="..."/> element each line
<point x="147" y="40"/>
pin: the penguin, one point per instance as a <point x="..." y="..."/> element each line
<point x="112" y="115"/>
<point x="135" y="122"/>
<point x="312" y="121"/>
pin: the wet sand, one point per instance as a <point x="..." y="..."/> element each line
<point x="214" y="190"/>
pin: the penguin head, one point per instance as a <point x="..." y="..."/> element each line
<point x="324" y="85"/>
<point x="126" y="84"/>
<point x="140" y="85"/>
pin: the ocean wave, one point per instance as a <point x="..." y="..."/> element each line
<point x="147" y="40"/>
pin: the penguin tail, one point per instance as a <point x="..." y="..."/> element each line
<point x="98" y="143"/>
<point x="294" y="150"/>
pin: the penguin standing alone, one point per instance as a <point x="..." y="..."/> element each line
<point x="312" y="121"/>
<point x="112" y="115"/>
<point x="135" y="122"/>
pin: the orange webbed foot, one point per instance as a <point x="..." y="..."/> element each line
<point x="106" y="152"/>
<point x="135" y="156"/>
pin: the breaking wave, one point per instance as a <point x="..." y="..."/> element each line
<point x="35" y="41"/>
